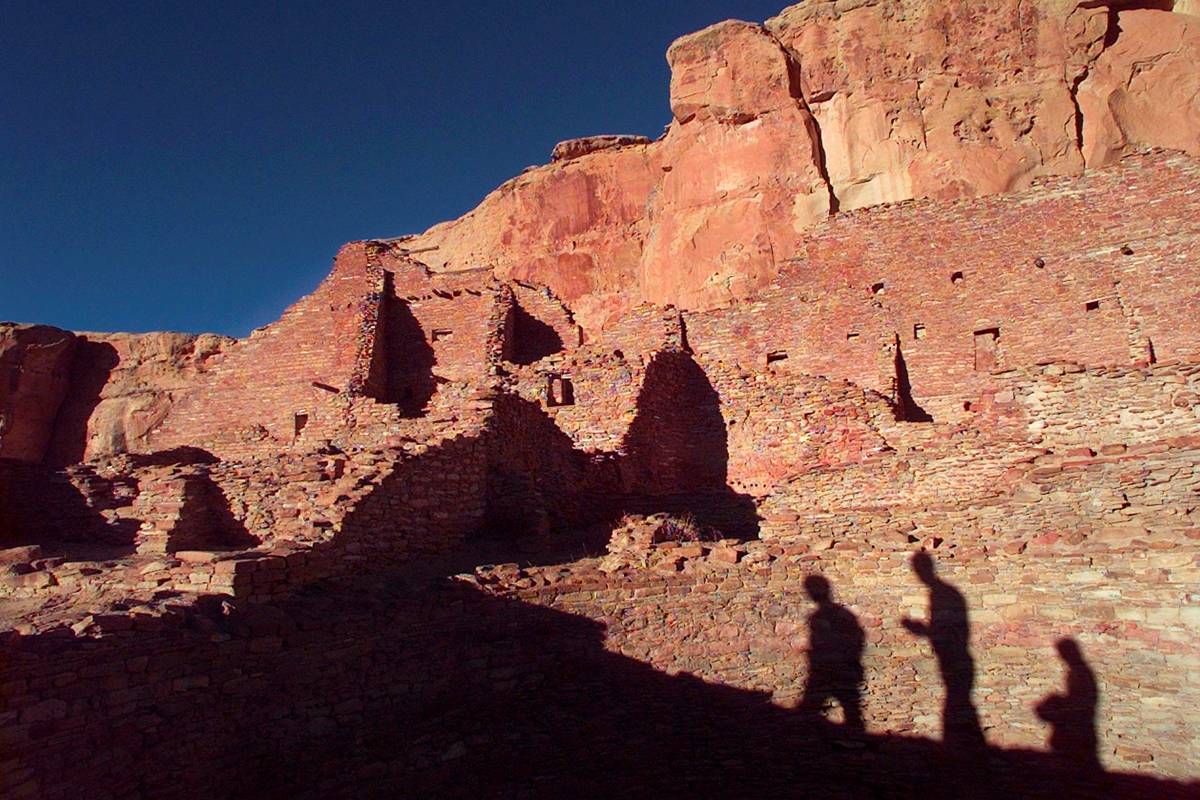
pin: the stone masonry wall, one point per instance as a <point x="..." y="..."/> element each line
<point x="1096" y="270"/>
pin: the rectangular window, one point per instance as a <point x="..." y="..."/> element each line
<point x="918" y="331"/>
<point x="987" y="349"/>
<point x="560" y="391"/>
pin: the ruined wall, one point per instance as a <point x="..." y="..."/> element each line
<point x="1063" y="272"/>
<point x="379" y="342"/>
<point x="265" y="391"/>
<point x="123" y="386"/>
<point x="433" y="689"/>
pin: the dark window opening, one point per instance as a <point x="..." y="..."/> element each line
<point x="987" y="349"/>
<point x="776" y="356"/>
<point x="1150" y="355"/>
<point x="918" y="331"/>
<point x="877" y="288"/>
<point x="560" y="391"/>
<point x="528" y="339"/>
<point x="1092" y="305"/>
<point x="850" y="337"/>
<point x="441" y="333"/>
<point x="957" y="278"/>
<point x="1039" y="262"/>
<point x="299" y="423"/>
<point x="1126" y="250"/>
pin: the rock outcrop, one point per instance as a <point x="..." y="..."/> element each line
<point x="67" y="397"/>
<point x="833" y="105"/>
<point x="1144" y="89"/>
<point x="35" y="362"/>
<point x="122" y="386"/>
<point x="574" y="148"/>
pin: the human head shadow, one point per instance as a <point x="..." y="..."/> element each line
<point x="948" y="629"/>
<point x="1072" y="715"/>
<point x="835" y="648"/>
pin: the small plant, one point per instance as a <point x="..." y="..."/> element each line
<point x="683" y="528"/>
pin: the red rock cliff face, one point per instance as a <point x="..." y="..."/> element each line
<point x="35" y="363"/>
<point x="122" y="386"/>
<point x="834" y="105"/>
<point x="67" y="397"/>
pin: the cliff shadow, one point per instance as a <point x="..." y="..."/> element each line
<point x="92" y="366"/>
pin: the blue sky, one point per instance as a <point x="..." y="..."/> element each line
<point x="195" y="165"/>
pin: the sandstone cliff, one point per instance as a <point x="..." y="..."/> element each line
<point x="35" y="363"/>
<point x="833" y="105"/>
<point x="68" y="397"/>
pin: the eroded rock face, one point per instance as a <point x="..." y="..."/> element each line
<point x="574" y="148"/>
<point x="941" y="99"/>
<point x="833" y="104"/>
<point x="1144" y="89"/>
<point x="35" y="362"/>
<point x="729" y="72"/>
<point x="122" y="386"/>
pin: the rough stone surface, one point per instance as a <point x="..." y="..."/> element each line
<point x="833" y="105"/>
<point x="574" y="148"/>
<point x="1144" y="89"/>
<point x="122" y="387"/>
<point x="35" y="370"/>
<point x="655" y="477"/>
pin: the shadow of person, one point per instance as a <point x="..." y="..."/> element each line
<point x="949" y="632"/>
<point x="1072" y="715"/>
<point x="835" y="648"/>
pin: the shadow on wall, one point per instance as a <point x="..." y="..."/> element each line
<point x="677" y="443"/>
<point x="402" y="360"/>
<point x="905" y="406"/>
<point x="531" y="338"/>
<point x="46" y="507"/>
<point x="384" y="689"/>
<point x="91" y="369"/>
<point x="80" y="511"/>
<point x="674" y="459"/>
<point x="205" y="520"/>
<point x="676" y="451"/>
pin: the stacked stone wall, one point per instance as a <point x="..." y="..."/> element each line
<point x="1096" y="270"/>
<point x="426" y="690"/>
